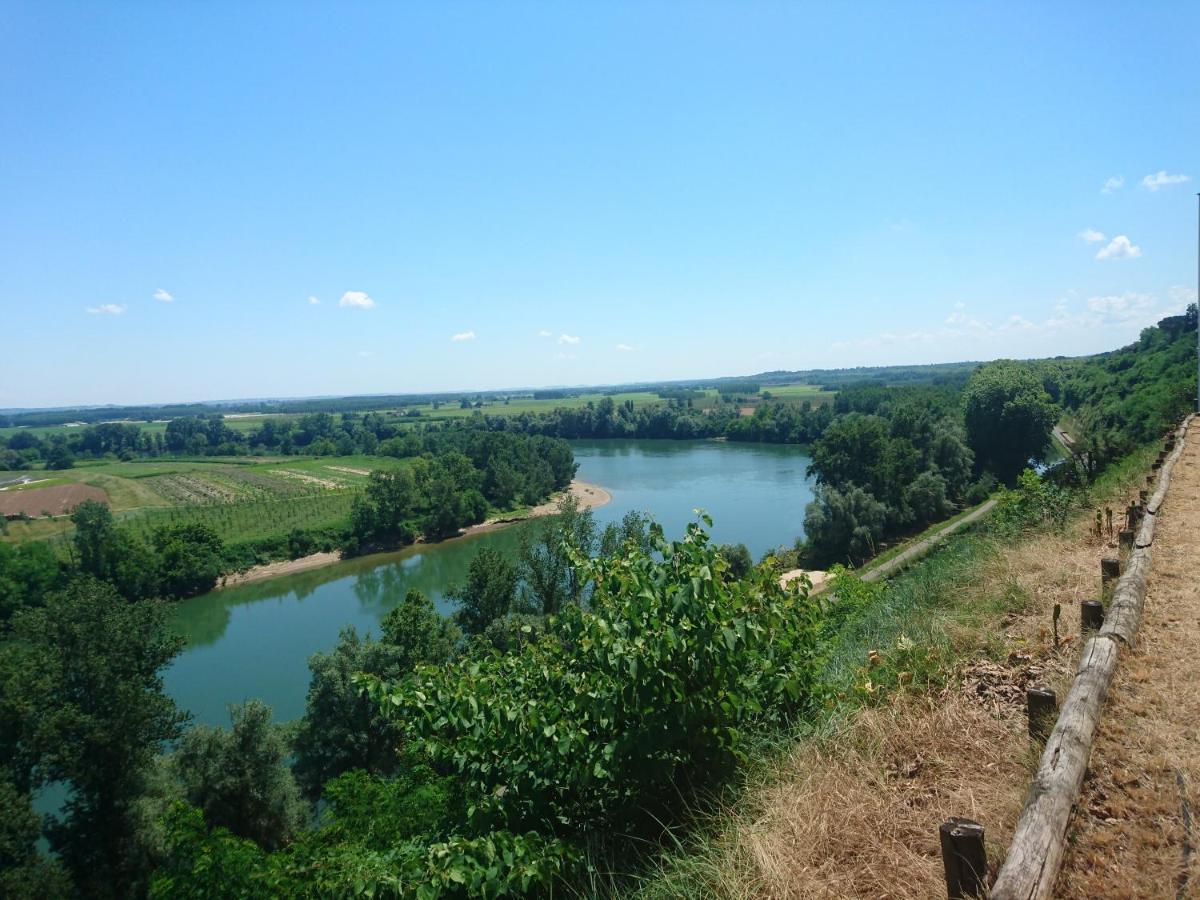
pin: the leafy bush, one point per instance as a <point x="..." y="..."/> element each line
<point x="1034" y="502"/>
<point x="595" y="723"/>
<point x="204" y="863"/>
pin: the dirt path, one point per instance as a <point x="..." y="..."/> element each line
<point x="921" y="547"/>
<point x="1131" y="835"/>
<point x="588" y="495"/>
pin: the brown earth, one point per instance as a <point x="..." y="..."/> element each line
<point x="57" y="500"/>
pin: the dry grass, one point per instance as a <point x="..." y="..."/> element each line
<point x="1129" y="836"/>
<point x="854" y="812"/>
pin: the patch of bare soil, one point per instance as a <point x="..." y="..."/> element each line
<point x="57" y="500"/>
<point x="1135" y="831"/>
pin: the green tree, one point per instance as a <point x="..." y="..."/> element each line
<point x="843" y="524"/>
<point x="24" y="872"/>
<point x="28" y="572"/>
<point x="341" y="730"/>
<point x="487" y="594"/>
<point x="102" y="719"/>
<point x="1009" y="416"/>
<point x="113" y="554"/>
<point x="190" y="559"/>
<point x="739" y="559"/>
<point x="419" y="633"/>
<point x="239" y="777"/>
<point x="551" y="580"/>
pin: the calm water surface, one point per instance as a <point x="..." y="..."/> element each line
<point x="255" y="640"/>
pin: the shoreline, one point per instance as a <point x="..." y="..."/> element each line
<point x="590" y="496"/>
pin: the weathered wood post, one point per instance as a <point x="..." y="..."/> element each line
<point x="1110" y="571"/>
<point x="1108" y="519"/>
<point x="963" y="858"/>
<point x="1125" y="543"/>
<point x="1091" y="615"/>
<point x="1142" y="497"/>
<point x="1041" y="707"/>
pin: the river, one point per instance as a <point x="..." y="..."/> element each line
<point x="255" y="640"/>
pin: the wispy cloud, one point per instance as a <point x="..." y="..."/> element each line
<point x="1161" y="179"/>
<point x="569" y="339"/>
<point x="1181" y="296"/>
<point x="106" y="309"/>
<point x="1091" y="235"/>
<point x="544" y="333"/>
<point x="1120" y="247"/>
<point x="961" y="328"/>
<point x="624" y="348"/>
<point x="1121" y="307"/>
<point x="356" y="300"/>
<point x="1113" y="184"/>
<point x="463" y="336"/>
<point x="313" y="301"/>
<point x="163" y="296"/>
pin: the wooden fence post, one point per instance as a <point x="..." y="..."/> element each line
<point x="1125" y="542"/>
<point x="1091" y="615"/>
<point x="1110" y="571"/>
<point x="964" y="858"/>
<point x="1041" y="707"/>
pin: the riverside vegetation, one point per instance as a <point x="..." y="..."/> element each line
<point x="564" y="721"/>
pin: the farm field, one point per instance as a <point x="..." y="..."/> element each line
<point x="241" y="499"/>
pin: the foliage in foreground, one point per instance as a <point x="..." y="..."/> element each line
<point x="602" y="721"/>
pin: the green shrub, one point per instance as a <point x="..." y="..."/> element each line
<point x="595" y="724"/>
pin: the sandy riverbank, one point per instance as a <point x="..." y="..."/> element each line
<point x="588" y="495"/>
<point x="817" y="577"/>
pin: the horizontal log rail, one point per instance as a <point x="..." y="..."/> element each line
<point x="1037" y="848"/>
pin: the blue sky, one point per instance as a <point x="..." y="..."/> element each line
<point x="581" y="192"/>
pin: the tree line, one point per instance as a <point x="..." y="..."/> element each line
<point x="895" y="459"/>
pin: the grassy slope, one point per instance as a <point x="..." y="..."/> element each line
<point x="805" y="789"/>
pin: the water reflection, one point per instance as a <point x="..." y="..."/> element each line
<point x="255" y="640"/>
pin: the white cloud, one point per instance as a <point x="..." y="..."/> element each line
<point x="1125" y="311"/>
<point x="1181" y="296"/>
<point x="1120" y="247"/>
<point x="1161" y="179"/>
<point x="1120" y="307"/>
<point x="1091" y="235"/>
<point x="463" y="336"/>
<point x="162" y="295"/>
<point x="544" y="333"/>
<point x="624" y="348"/>
<point x="313" y="301"/>
<point x="106" y="309"/>
<point x="569" y="339"/>
<point x="356" y="300"/>
<point x="1113" y="184"/>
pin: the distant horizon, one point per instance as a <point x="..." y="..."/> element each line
<point x="584" y="387"/>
